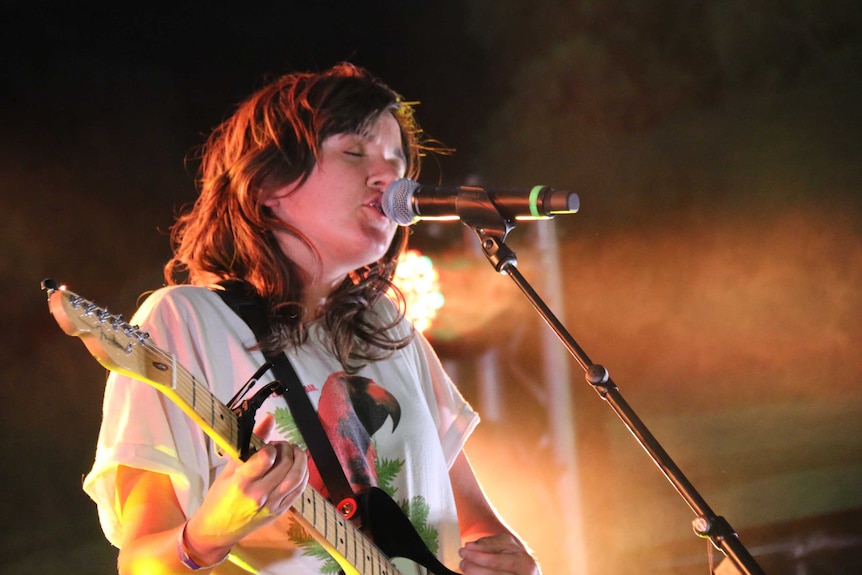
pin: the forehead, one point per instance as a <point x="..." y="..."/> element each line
<point x="384" y="131"/>
<point x="384" y="125"/>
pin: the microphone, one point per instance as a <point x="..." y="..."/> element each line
<point x="406" y="202"/>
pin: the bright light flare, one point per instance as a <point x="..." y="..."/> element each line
<point x="420" y="283"/>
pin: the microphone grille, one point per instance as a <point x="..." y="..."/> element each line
<point x="397" y="201"/>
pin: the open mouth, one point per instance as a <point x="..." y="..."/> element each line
<point x="377" y="206"/>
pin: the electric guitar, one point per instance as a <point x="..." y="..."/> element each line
<point x="125" y="349"/>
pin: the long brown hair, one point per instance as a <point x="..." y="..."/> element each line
<point x="270" y="141"/>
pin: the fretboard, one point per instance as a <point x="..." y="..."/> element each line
<point x="341" y="538"/>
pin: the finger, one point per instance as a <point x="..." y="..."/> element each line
<point x="258" y="464"/>
<point x="284" y="458"/>
<point x="265" y="426"/>
<point x="290" y="497"/>
<point x="497" y="562"/>
<point x="268" y="469"/>
<point x="496" y="554"/>
<point x="290" y="472"/>
<point x="476" y="563"/>
<point x="296" y="477"/>
<point x="500" y="543"/>
<point x="301" y="459"/>
<point x="481" y="558"/>
<point x="291" y="485"/>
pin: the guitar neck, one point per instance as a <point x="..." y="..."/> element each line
<point x="350" y="547"/>
<point x="124" y="349"/>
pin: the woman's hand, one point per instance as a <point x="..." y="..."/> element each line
<point x="246" y="496"/>
<point x="496" y="555"/>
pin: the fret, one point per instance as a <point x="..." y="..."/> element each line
<point x="369" y="555"/>
<point x="344" y="536"/>
<point x="341" y="534"/>
<point x="314" y="519"/>
<point x="232" y="424"/>
<point x="338" y="539"/>
<point x="194" y="395"/>
<point x="212" y="405"/>
<point x="352" y="551"/>
<point x="326" y="525"/>
<point x="362" y="553"/>
<point x="123" y="348"/>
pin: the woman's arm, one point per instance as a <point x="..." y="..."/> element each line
<point x="492" y="547"/>
<point x="243" y="498"/>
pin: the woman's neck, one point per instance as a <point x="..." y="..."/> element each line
<point x="315" y="295"/>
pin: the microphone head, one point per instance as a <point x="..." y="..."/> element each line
<point x="397" y="202"/>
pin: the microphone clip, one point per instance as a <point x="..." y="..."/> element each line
<point x="480" y="214"/>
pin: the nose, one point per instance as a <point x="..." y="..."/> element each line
<point x="383" y="173"/>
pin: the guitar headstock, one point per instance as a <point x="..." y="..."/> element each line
<point x="127" y="350"/>
<point x="108" y="337"/>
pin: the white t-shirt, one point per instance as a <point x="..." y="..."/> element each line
<point x="418" y="419"/>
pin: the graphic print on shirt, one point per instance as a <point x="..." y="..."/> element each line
<point x="351" y="409"/>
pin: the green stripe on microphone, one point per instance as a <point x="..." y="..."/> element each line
<point x="534" y="198"/>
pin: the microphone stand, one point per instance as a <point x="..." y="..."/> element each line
<point x="479" y="213"/>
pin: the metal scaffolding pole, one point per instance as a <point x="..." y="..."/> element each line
<point x="561" y="416"/>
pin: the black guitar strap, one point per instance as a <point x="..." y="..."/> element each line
<point x="247" y="304"/>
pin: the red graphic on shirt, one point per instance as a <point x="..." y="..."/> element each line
<point x="352" y="409"/>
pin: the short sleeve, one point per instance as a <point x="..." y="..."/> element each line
<point x="143" y="429"/>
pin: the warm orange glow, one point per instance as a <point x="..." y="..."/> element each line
<point x="419" y="282"/>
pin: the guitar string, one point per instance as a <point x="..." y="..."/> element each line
<point x="186" y="387"/>
<point x="190" y="389"/>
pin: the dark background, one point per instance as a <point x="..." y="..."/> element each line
<point x="714" y="268"/>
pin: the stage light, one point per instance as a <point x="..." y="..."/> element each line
<point x="420" y="283"/>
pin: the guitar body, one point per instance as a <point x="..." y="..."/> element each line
<point x="125" y="349"/>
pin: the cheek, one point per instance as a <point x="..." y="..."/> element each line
<point x="292" y="210"/>
<point x="389" y="238"/>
